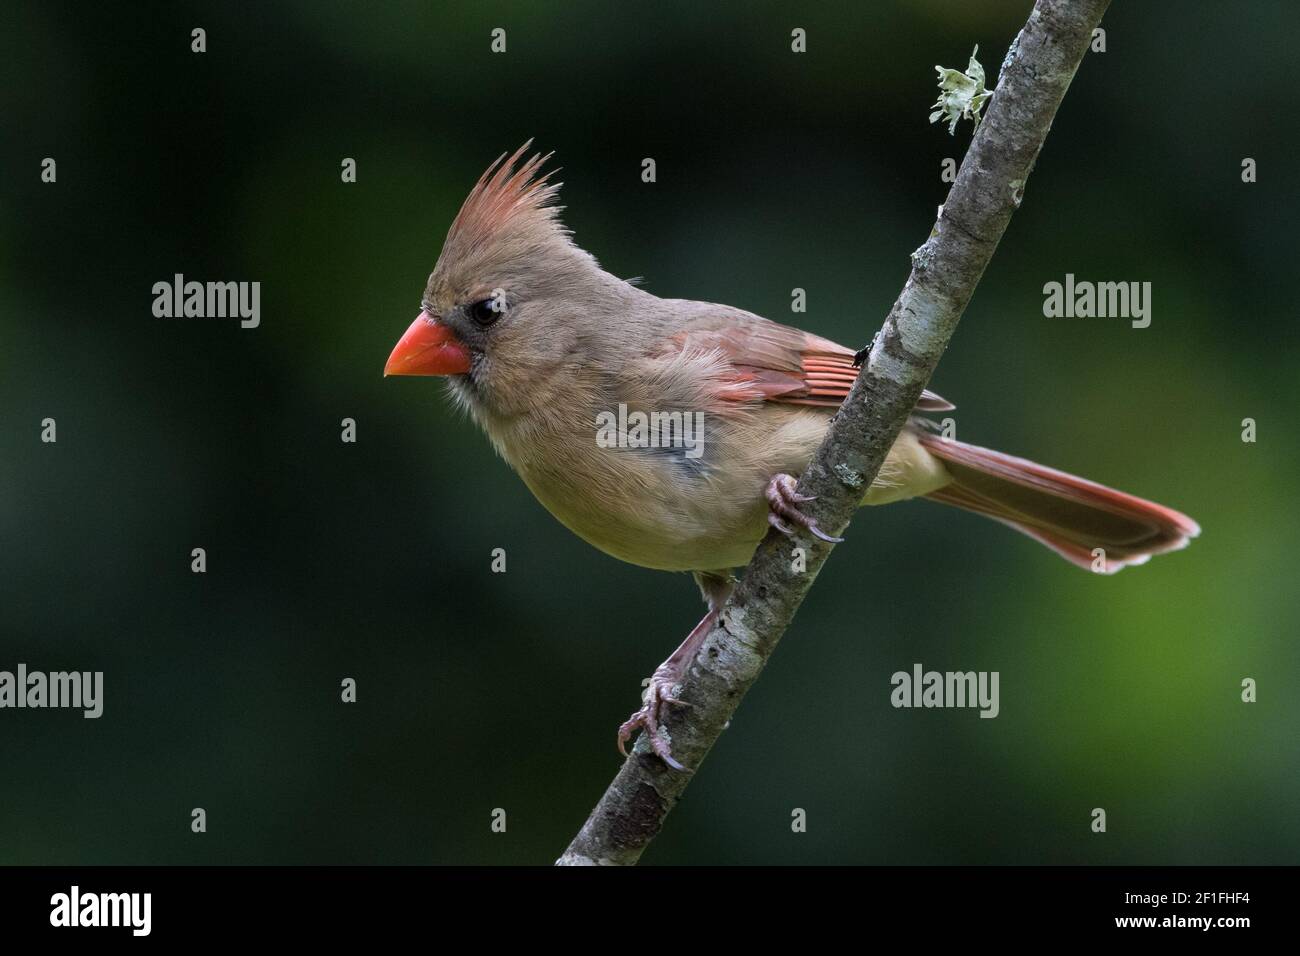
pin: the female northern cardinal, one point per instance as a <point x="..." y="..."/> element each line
<point x="544" y="349"/>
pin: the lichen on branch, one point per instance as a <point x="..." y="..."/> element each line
<point x="961" y="95"/>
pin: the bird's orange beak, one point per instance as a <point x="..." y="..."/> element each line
<point x="428" y="347"/>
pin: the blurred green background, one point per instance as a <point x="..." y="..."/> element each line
<point x="481" y="690"/>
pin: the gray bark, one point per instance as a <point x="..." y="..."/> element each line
<point x="945" y="271"/>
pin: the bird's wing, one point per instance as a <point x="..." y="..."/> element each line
<point x="767" y="361"/>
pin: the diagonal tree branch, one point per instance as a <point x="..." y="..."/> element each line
<point x="945" y="271"/>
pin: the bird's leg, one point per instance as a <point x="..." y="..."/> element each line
<point x="661" y="687"/>
<point x="783" y="506"/>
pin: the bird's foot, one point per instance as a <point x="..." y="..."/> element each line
<point x="783" y="503"/>
<point x="660" y="690"/>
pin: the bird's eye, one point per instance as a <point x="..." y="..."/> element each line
<point x="487" y="311"/>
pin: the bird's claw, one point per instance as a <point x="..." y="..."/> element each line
<point x="658" y="693"/>
<point x="783" y="506"/>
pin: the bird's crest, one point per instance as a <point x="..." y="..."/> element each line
<point x="508" y="199"/>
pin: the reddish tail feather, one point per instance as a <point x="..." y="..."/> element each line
<point x="1071" y="515"/>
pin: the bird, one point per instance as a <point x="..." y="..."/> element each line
<point x="568" y="369"/>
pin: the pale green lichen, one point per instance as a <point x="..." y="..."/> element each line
<point x="961" y="95"/>
<point x="844" y="473"/>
